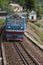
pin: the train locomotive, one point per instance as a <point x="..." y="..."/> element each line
<point x="15" y="27"/>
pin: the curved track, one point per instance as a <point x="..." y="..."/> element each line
<point x="28" y="36"/>
<point x="11" y="55"/>
<point x="35" y="50"/>
<point x="25" y="53"/>
<point x="29" y="59"/>
<point x="29" y="53"/>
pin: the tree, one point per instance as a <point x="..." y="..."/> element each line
<point x="21" y="2"/>
<point x="29" y="4"/>
<point x="3" y="3"/>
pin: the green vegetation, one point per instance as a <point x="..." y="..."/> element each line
<point x="29" y="4"/>
<point x="42" y="26"/>
<point x="3" y="3"/>
<point x="38" y="24"/>
<point x="2" y="21"/>
<point x="36" y="5"/>
<point x="38" y="32"/>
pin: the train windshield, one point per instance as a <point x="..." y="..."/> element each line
<point x="18" y="21"/>
<point x="24" y="15"/>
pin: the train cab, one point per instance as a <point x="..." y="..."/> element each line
<point x="15" y="27"/>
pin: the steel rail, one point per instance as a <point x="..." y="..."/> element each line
<point x="21" y="55"/>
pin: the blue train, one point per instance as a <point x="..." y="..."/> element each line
<point x="15" y="27"/>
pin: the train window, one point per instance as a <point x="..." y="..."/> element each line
<point x="15" y="20"/>
<point x="20" y="22"/>
<point x="15" y="16"/>
<point x="11" y="21"/>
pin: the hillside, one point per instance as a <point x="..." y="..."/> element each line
<point x="37" y="3"/>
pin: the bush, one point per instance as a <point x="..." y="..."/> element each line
<point x="38" y="24"/>
<point x="42" y="26"/>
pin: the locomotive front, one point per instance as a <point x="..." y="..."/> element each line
<point x="15" y="26"/>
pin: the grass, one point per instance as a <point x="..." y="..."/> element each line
<point x="42" y="26"/>
<point x="38" y="24"/>
<point x="38" y="32"/>
<point x="2" y="21"/>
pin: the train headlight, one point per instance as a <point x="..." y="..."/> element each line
<point x="8" y="26"/>
<point x="21" y="27"/>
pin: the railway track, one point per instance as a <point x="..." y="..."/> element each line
<point x="11" y="55"/>
<point x="2" y="27"/>
<point x="1" y="55"/>
<point x="21" y="55"/>
<point x="36" y="44"/>
<point x="35" y="50"/>
<point x="17" y="54"/>
<point x="25" y="54"/>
